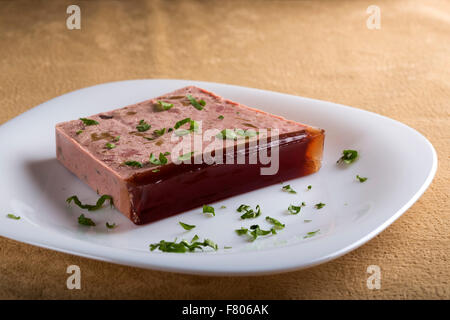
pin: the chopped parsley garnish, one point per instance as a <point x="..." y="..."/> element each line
<point x="143" y="126"/>
<point x="91" y="207"/>
<point x="226" y="247"/>
<point x="221" y="117"/>
<point x="181" y="122"/>
<point x="160" y="132"/>
<point x="241" y="231"/>
<point x="186" y="156"/>
<point x="132" y="163"/>
<point x="197" y="104"/>
<point x="186" y="226"/>
<point x="361" y="179"/>
<point x="311" y="234"/>
<point x="85" y="221"/>
<point x="110" y="145"/>
<point x="246" y="133"/>
<point x="348" y="156"/>
<point x="227" y="134"/>
<point x="155" y="170"/>
<point x="170" y="130"/>
<point x="162" y="159"/>
<point x="256" y="232"/>
<point x="288" y="188"/>
<point x="208" y="209"/>
<point x="183" y="245"/>
<point x="79" y="132"/>
<point x="295" y="209"/>
<point x="88" y="122"/>
<point x="163" y="106"/>
<point x="309" y="187"/>
<point x="111" y="226"/>
<point x="222" y="207"/>
<point x="234" y="134"/>
<point x="11" y="216"/>
<point x="319" y="205"/>
<point x="277" y="224"/>
<point x="243" y="207"/>
<point x="193" y="127"/>
<point x="116" y="139"/>
<point x="249" y="213"/>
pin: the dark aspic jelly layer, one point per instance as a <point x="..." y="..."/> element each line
<point x="178" y="188"/>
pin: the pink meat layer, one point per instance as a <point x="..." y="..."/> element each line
<point x="83" y="148"/>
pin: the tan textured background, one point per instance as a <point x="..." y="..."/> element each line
<point x="318" y="49"/>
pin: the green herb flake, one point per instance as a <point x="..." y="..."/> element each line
<point x="311" y="234"/>
<point x="159" y="132"/>
<point x="166" y="246"/>
<point x="162" y="160"/>
<point x="277" y="224"/>
<point x="85" y="221"/>
<point x="295" y="209"/>
<point x="194" y="126"/>
<point x="249" y="213"/>
<point x="155" y="170"/>
<point x="186" y="226"/>
<point x="226" y="247"/>
<point x="79" y="132"/>
<point x="181" y="122"/>
<point x="186" y="156"/>
<point x="307" y="221"/>
<point x="132" y="163"/>
<point x="183" y="246"/>
<point x="348" y="156"/>
<point x="88" y="122"/>
<point x="163" y="106"/>
<point x="11" y="216"/>
<point x="116" y="139"/>
<point x="208" y="209"/>
<point x="309" y="187"/>
<point x="196" y="104"/>
<point x="319" y="205"/>
<point x="361" y="179"/>
<point x="143" y="126"/>
<point x="91" y="207"/>
<point x="256" y="232"/>
<point x="288" y="189"/>
<point x="223" y="207"/>
<point x="246" y="133"/>
<point x="227" y="134"/>
<point x="110" y="145"/>
<point x="221" y="117"/>
<point x="111" y="226"/>
<point x="241" y="231"/>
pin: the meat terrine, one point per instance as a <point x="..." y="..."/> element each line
<point x="184" y="149"/>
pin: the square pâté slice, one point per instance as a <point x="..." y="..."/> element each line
<point x="133" y="154"/>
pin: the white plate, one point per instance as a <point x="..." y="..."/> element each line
<point x="398" y="161"/>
